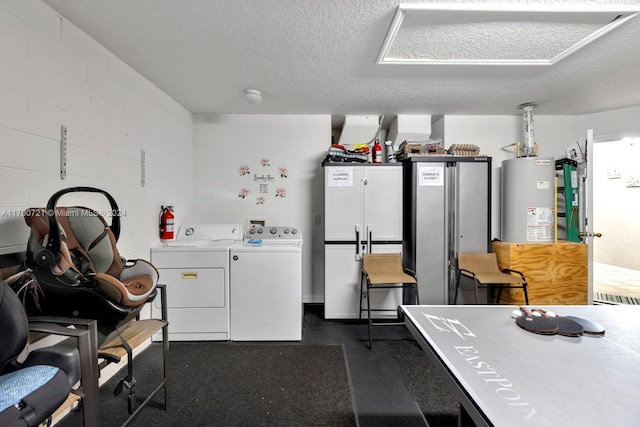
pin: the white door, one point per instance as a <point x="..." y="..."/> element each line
<point x="341" y="282"/>
<point x="343" y="203"/>
<point x="383" y="203"/>
<point x="613" y="226"/>
<point x="586" y="231"/>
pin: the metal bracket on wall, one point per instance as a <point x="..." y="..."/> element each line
<point x="63" y="152"/>
<point x="143" y="161"/>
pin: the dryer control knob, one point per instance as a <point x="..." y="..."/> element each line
<point x="273" y="230"/>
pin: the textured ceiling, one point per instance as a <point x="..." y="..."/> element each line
<point x="319" y="57"/>
<point x="504" y="36"/>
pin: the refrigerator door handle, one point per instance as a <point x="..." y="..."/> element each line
<point x="369" y="237"/>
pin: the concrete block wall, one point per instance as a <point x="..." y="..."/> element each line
<point x="52" y="75"/>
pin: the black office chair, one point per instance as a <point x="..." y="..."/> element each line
<point x="30" y="391"/>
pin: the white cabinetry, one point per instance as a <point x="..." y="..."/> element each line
<point x="363" y="213"/>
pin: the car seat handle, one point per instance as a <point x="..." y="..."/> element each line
<point x="53" y="242"/>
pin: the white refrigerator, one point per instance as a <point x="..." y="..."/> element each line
<point x="363" y="214"/>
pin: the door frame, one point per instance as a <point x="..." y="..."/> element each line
<point x="586" y="215"/>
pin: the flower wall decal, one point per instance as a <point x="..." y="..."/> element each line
<point x="244" y="193"/>
<point x="244" y="170"/>
<point x="283" y="172"/>
<point x="260" y="200"/>
<point x="265" y="162"/>
<point x="281" y="192"/>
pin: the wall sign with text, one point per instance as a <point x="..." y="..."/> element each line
<point x="263" y="182"/>
<point x="431" y="176"/>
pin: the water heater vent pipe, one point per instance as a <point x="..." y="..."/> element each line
<point x="530" y="148"/>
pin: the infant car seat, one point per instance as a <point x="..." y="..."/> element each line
<point x="31" y="391"/>
<point x="72" y="253"/>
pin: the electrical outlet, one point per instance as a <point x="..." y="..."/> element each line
<point x="255" y="222"/>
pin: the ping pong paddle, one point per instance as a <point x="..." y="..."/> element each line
<point x="537" y="325"/>
<point x="588" y="326"/>
<point x="566" y="327"/>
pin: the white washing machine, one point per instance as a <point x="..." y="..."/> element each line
<point x="266" y="285"/>
<point x="195" y="269"/>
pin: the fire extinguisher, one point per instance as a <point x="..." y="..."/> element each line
<point x="377" y="152"/>
<point x="167" y="221"/>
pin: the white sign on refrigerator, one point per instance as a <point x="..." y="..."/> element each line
<point x="431" y="176"/>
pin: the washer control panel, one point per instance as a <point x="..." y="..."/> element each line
<point x="273" y="232"/>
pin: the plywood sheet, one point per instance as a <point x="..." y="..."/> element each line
<point x="556" y="272"/>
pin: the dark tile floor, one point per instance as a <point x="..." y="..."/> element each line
<point x="379" y="393"/>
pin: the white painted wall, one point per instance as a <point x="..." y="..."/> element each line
<point x="53" y="74"/>
<point x="609" y="125"/>
<point x="615" y="215"/>
<point x="225" y="143"/>
<point x="491" y="133"/>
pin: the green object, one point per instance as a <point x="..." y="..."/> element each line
<point x="568" y="201"/>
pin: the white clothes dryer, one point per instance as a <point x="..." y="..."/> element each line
<point x="195" y="269"/>
<point x="266" y="285"/>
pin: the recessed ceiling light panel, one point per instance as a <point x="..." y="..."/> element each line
<point x="494" y="35"/>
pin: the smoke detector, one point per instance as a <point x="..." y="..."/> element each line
<point x="253" y="96"/>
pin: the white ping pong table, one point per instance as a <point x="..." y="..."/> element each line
<point x="506" y="376"/>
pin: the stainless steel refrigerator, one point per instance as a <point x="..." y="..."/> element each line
<point x="447" y="209"/>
